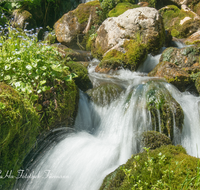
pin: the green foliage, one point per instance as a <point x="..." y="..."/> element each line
<point x="121" y="8"/>
<point x="167" y="167"/>
<point x="28" y="66"/>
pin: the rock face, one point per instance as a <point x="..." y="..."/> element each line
<point x="193" y="39"/>
<point x="141" y="23"/>
<point x="178" y="66"/>
<point x="74" y="22"/>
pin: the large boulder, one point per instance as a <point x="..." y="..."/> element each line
<point x="19" y="128"/>
<point x="181" y="22"/>
<point x="142" y="24"/>
<point x="167" y="167"/>
<point x="71" y="25"/>
<point x="178" y="66"/>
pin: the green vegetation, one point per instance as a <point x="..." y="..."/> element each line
<point x="121" y="8"/>
<point x="167" y="167"/>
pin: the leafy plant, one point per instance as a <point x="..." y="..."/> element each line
<point x="30" y="66"/>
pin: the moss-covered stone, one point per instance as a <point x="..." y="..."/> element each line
<point x="59" y="105"/>
<point x="164" y="109"/>
<point x="82" y="80"/>
<point x="167" y="167"/>
<point x="173" y="19"/>
<point x="104" y="94"/>
<point x="197" y="82"/>
<point x="134" y="55"/>
<point x="19" y="127"/>
<point x="121" y="8"/>
<point x="154" y="139"/>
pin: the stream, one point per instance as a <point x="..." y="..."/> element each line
<point x="105" y="137"/>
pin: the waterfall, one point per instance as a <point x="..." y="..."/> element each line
<point x="105" y="137"/>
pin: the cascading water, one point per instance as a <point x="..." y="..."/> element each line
<point x="106" y="136"/>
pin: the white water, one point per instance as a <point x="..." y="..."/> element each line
<point x="107" y="136"/>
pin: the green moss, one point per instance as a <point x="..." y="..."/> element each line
<point x="19" y="127"/>
<point x="121" y="8"/>
<point x="172" y="16"/>
<point x="167" y="167"/>
<point x="197" y="82"/>
<point x="82" y="81"/>
<point x="59" y="105"/>
<point x="135" y="54"/>
<point x="154" y="139"/>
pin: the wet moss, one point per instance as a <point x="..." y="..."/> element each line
<point x="197" y="83"/>
<point x="19" y="127"/>
<point x="82" y="80"/>
<point x="167" y="167"/>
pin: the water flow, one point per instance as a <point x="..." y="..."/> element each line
<point x="107" y="136"/>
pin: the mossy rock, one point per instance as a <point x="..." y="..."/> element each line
<point x="121" y="8"/>
<point x="167" y="167"/>
<point x="154" y="139"/>
<point x="197" y="83"/>
<point x="82" y="80"/>
<point x="173" y="19"/>
<point x="164" y="109"/>
<point x="21" y="17"/>
<point x="105" y="94"/>
<point x="59" y="105"/>
<point x="19" y="128"/>
<point x="135" y="54"/>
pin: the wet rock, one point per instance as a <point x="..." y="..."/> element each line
<point x="70" y="26"/>
<point x="142" y="24"/>
<point x="154" y="139"/>
<point x="178" y="66"/>
<point x="193" y="39"/>
<point x="164" y="109"/>
<point x="104" y="94"/>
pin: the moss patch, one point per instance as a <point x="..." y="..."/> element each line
<point x="167" y="167"/>
<point x="154" y="139"/>
<point x="135" y="54"/>
<point x="19" y="127"/>
<point x="121" y="8"/>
